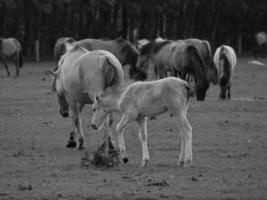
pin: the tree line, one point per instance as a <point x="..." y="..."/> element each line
<point x="219" y="21"/>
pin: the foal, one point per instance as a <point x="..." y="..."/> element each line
<point x="145" y="99"/>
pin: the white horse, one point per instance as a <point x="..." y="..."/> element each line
<point x="80" y="76"/>
<point x="10" y="48"/>
<point x="145" y="99"/>
<point x="225" y="62"/>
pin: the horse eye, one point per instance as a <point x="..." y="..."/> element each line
<point x="93" y="109"/>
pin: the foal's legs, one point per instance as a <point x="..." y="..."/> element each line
<point x="142" y="130"/>
<point x="179" y="111"/>
<point x="186" y="132"/>
<point x="125" y="119"/>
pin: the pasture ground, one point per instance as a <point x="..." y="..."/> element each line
<point x="229" y="146"/>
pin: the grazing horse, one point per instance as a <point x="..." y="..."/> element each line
<point x="60" y="47"/>
<point x="177" y="57"/>
<point x="145" y="99"/>
<point x="204" y="48"/>
<point x="122" y="49"/>
<point x="10" y="48"/>
<point x="225" y="61"/>
<point x="80" y="76"/>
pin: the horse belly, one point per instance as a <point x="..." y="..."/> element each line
<point x="8" y="49"/>
<point x="152" y="107"/>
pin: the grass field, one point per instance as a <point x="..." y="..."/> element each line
<point x="229" y="146"/>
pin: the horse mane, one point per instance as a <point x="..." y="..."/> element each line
<point x="207" y="45"/>
<point x="158" y="45"/>
<point x="193" y="50"/>
<point x="153" y="47"/>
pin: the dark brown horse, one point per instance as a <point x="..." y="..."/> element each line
<point x="204" y="48"/>
<point x="179" y="58"/>
<point x="122" y="49"/>
<point x="10" y="48"/>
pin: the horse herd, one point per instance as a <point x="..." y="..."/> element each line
<point x="90" y="71"/>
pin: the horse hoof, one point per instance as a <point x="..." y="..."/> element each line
<point x="81" y="141"/>
<point x="81" y="147"/>
<point x="181" y="164"/>
<point x="125" y="160"/>
<point x="144" y="163"/>
<point x="71" y="144"/>
<point x="153" y="118"/>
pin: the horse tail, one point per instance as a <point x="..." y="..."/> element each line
<point x="112" y="71"/>
<point x="20" y="60"/>
<point x="190" y="91"/>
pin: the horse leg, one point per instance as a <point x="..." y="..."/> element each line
<point x="16" y="62"/>
<point x="75" y="123"/>
<point x="78" y="124"/>
<point x="223" y="92"/>
<point x="6" y="66"/>
<point x="126" y="119"/>
<point x="229" y="90"/>
<point x="142" y="130"/>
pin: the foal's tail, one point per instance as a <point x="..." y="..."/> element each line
<point x="20" y="60"/>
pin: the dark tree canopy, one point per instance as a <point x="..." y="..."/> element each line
<point x="219" y="21"/>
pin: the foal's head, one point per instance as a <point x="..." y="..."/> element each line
<point x="101" y="110"/>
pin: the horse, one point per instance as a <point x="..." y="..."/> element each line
<point x="176" y="57"/>
<point x="140" y="100"/>
<point x="261" y="40"/>
<point x="59" y="48"/>
<point x="225" y="61"/>
<point x="10" y="48"/>
<point x="80" y="76"/>
<point x="204" y="48"/>
<point x="121" y="48"/>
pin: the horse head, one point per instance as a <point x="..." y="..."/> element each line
<point x="144" y="56"/>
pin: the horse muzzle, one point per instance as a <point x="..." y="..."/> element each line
<point x="93" y="126"/>
<point x="64" y="113"/>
